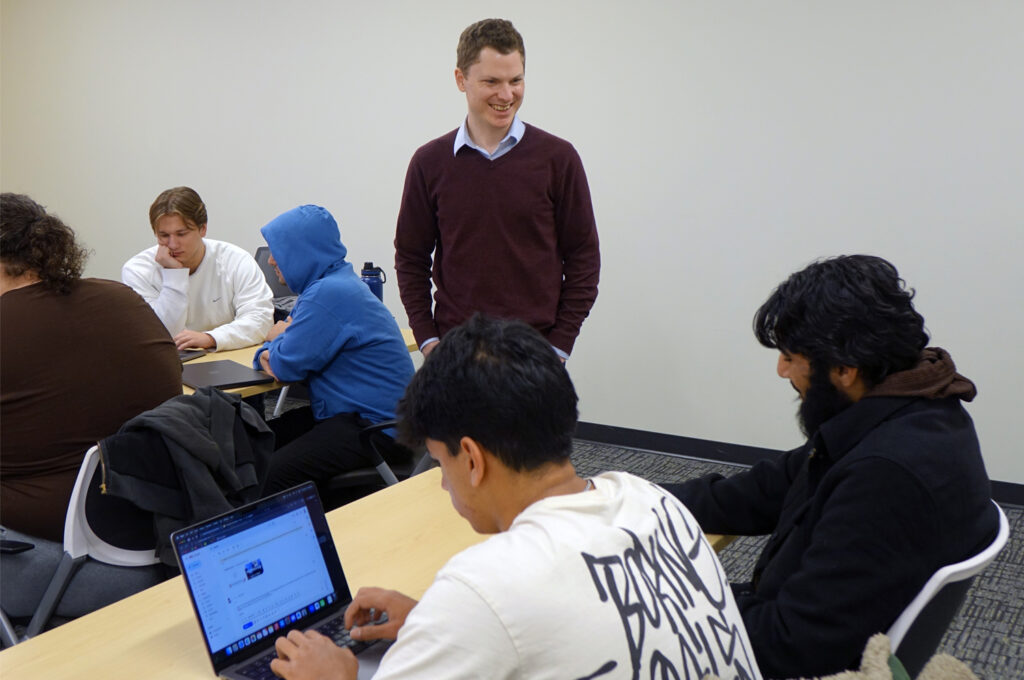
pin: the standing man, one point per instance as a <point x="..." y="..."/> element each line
<point x="583" y="578"/>
<point x="341" y="340"/>
<point x="209" y="294"/>
<point x="497" y="211"/>
<point x="889" y="487"/>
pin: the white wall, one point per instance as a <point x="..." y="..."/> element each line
<point x="727" y="145"/>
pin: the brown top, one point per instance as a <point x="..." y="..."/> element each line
<point x="934" y="377"/>
<point x="73" y="368"/>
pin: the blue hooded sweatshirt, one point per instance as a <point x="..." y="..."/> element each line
<point x="342" y="340"/>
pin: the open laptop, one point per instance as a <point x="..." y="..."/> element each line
<point x="259" y="571"/>
<point x="190" y="354"/>
<point x="222" y="374"/>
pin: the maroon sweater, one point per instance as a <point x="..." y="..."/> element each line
<point x="513" y="237"/>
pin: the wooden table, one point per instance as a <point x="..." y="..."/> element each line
<point x="396" y="538"/>
<point x="244" y="356"/>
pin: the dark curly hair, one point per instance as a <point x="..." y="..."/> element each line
<point x="500" y="383"/>
<point x="851" y="310"/>
<point x="498" y="34"/>
<point x="33" y="241"/>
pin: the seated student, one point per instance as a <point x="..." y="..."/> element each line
<point x="585" y="578"/>
<point x="340" y="339"/>
<point x="210" y="294"/>
<point x="889" y="487"/>
<point x="80" y="357"/>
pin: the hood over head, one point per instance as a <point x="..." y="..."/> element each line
<point x="306" y="243"/>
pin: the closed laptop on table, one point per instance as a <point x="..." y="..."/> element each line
<point x="222" y="374"/>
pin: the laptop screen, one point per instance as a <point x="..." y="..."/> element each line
<point x="260" y="570"/>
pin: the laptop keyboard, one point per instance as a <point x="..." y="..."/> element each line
<point x="259" y="668"/>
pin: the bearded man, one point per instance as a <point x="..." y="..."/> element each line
<point x="889" y="487"/>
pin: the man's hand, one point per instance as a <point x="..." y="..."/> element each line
<point x="428" y="348"/>
<point x="265" y="364"/>
<point x="311" y="656"/>
<point x="368" y="605"/>
<point x="188" y="339"/>
<point x="164" y="259"/>
<point x="278" y="328"/>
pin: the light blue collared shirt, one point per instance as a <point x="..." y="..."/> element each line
<point x="515" y="133"/>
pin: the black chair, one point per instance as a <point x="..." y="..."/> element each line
<point x="380" y="473"/>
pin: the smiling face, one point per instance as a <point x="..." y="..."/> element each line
<point x="494" y="87"/>
<point x="183" y="240"/>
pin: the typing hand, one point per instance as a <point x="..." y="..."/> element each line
<point x="188" y="339"/>
<point x="312" y="656"/>
<point x="368" y="605"/>
<point x="164" y="259"/>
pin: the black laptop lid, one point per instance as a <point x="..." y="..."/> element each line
<point x="256" y="572"/>
<point x="222" y="373"/>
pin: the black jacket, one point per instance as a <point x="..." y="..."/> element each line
<point x="883" y="495"/>
<point x="191" y="458"/>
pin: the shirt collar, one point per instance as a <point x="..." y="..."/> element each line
<point x="515" y="133"/>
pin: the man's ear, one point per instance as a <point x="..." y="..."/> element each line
<point x="202" y="231"/>
<point x="475" y="460"/>
<point x="460" y="80"/>
<point x="849" y="381"/>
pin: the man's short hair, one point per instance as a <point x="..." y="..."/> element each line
<point x="181" y="201"/>
<point x="31" y="240"/>
<point x="851" y="310"/>
<point x="498" y="34"/>
<point x="500" y="383"/>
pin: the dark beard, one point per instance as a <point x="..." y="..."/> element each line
<point x="822" y="401"/>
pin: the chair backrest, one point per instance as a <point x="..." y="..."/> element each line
<point x="276" y="287"/>
<point x="80" y="536"/>
<point x="917" y="632"/>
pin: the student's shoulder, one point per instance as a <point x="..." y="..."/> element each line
<point x="232" y="258"/>
<point x="225" y="248"/>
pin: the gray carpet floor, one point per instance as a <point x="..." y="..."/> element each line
<point x="988" y="633"/>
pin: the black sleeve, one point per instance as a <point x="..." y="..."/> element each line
<point x="745" y="504"/>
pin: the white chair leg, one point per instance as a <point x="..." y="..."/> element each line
<point x="387" y="473"/>
<point x="280" y="401"/>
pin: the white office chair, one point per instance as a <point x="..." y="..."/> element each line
<point x="917" y="632"/>
<point x="81" y="542"/>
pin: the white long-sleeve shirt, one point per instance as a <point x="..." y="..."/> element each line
<point x="227" y="296"/>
